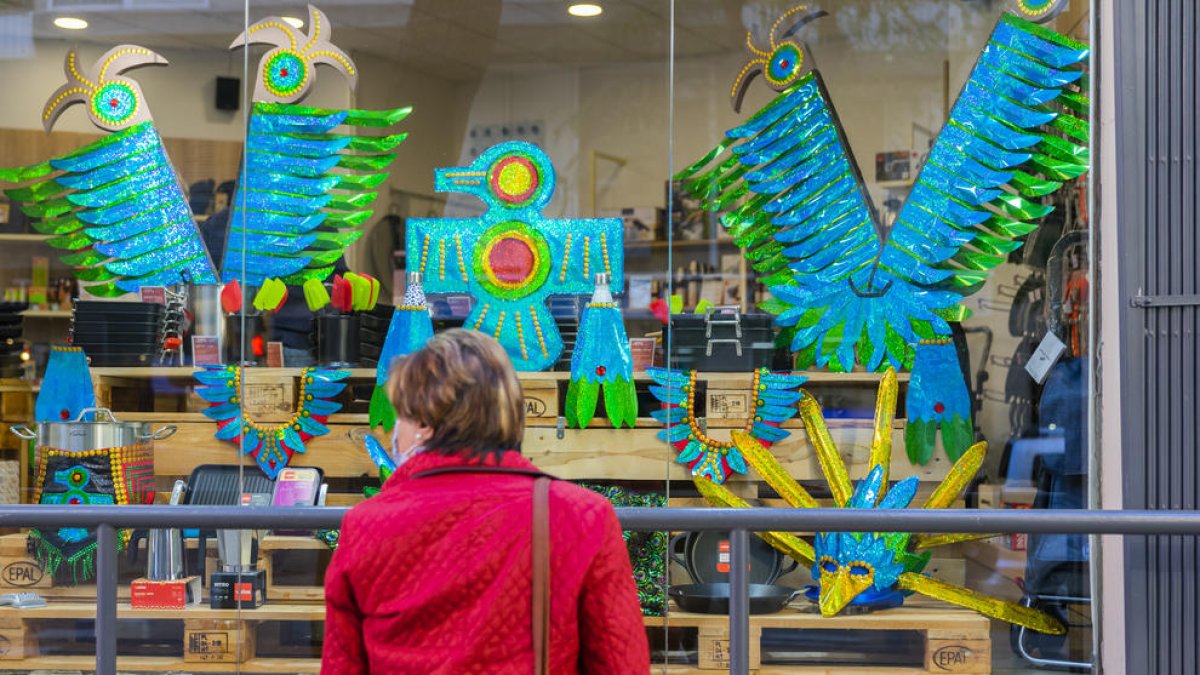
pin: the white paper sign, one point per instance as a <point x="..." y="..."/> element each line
<point x="1047" y="354"/>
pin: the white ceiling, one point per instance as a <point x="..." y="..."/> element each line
<point x="459" y="39"/>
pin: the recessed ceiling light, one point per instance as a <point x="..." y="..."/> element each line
<point x="70" y="23"/>
<point x="295" y="23"/>
<point x="585" y="9"/>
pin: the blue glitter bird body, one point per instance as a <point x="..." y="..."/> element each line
<point x="116" y="206"/>
<point x="512" y="258"/>
<point x="305" y="187"/>
<point x="848" y="290"/>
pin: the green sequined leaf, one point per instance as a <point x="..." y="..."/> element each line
<point x="63" y="224"/>
<point x="1007" y="227"/>
<point x="109" y="290"/>
<point x="923" y="329"/>
<point x="773" y="306"/>
<point x="584" y="408"/>
<point x="994" y="245"/>
<point x="21" y="174"/>
<point x="366" y="162"/>
<point x="298" y="279"/>
<point x="97" y="273"/>
<point x="376" y="143"/>
<point x="377" y="118"/>
<point x="1074" y="127"/>
<point x="895" y="343"/>
<point x="1057" y="169"/>
<point x="344" y="219"/>
<point x="48" y="209"/>
<point x="36" y="192"/>
<point x="954" y="313"/>
<point x="351" y="202"/>
<point x="770" y="249"/>
<point x="977" y="260"/>
<point x="704" y="161"/>
<point x="70" y="242"/>
<point x="919" y="440"/>
<point x="1079" y="103"/>
<point x="1066" y="150"/>
<point x="957" y="436"/>
<point x="1019" y="207"/>
<point x="85" y="258"/>
<point x="805" y="358"/>
<point x="866" y="348"/>
<point x="1032" y="186"/>
<point x="359" y="181"/>
<point x="338" y="240"/>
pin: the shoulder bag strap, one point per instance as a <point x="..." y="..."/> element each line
<point x="541" y="576"/>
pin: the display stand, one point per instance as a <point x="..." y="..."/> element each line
<point x="213" y="640"/>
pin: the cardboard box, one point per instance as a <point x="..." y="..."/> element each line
<point x="177" y="594"/>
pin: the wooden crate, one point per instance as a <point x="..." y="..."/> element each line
<point x="955" y="640"/>
<point x="210" y="640"/>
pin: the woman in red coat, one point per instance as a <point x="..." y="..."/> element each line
<point x="434" y="575"/>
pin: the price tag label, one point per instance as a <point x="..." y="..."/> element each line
<point x="1049" y="351"/>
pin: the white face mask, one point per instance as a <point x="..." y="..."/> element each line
<point x="401" y="457"/>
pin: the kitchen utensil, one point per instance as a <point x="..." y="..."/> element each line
<point x="164" y="547"/>
<point x="103" y="430"/>
<point x="705" y="557"/>
<point x="714" y="598"/>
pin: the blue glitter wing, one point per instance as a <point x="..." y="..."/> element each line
<point x="117" y="210"/>
<point x="305" y="191"/>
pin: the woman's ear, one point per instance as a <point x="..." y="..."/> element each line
<point x="423" y="433"/>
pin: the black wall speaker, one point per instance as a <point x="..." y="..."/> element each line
<point x="229" y="93"/>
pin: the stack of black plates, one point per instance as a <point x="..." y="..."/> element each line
<point x="118" y="333"/>
<point x="372" y="331"/>
<point x="11" y="343"/>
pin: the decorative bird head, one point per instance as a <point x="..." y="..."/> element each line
<point x="113" y="102"/>
<point x="851" y="564"/>
<point x="509" y="176"/>
<point x="783" y="62"/>
<point x="287" y="72"/>
<point x="1040" y="11"/>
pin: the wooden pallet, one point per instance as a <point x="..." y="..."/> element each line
<point x="596" y="453"/>
<point x="956" y="640"/>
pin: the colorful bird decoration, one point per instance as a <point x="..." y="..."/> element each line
<point x="848" y="290"/>
<point x="772" y="397"/>
<point x="272" y="445"/>
<point x="870" y="570"/>
<point x="305" y="190"/>
<point x="512" y="257"/>
<point x="115" y="206"/>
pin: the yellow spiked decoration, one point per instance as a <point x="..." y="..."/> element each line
<point x="870" y="569"/>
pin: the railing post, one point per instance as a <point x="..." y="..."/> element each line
<point x="106" y="600"/>
<point x="739" y="602"/>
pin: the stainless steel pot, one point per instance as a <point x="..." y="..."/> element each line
<point x="103" y="431"/>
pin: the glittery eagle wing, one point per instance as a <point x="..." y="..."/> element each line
<point x="304" y="191"/>
<point x="1000" y="152"/>
<point x="792" y="196"/>
<point x="115" y="206"/>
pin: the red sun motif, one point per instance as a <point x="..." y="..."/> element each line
<point x="939" y="408"/>
<point x="511" y="260"/>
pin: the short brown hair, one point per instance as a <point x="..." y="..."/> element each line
<point x="463" y="386"/>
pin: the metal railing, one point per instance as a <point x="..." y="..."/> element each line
<point x="738" y="522"/>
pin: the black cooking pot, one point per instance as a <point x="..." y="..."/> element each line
<point x="705" y="556"/>
<point x="714" y="598"/>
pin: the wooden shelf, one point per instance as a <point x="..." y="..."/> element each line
<point x="147" y="664"/>
<point x="85" y="610"/>
<point x="47" y="314"/>
<point x="30" y="237"/>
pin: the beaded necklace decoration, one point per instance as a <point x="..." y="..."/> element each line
<point x="271" y="444"/>
<point x="773" y="403"/>
<point x="103" y="477"/>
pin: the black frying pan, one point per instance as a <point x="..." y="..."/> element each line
<point x="714" y="598"/>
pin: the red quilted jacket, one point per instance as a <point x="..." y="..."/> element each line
<point x="433" y="575"/>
